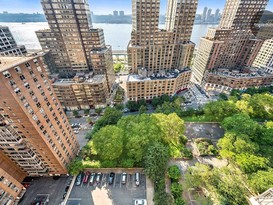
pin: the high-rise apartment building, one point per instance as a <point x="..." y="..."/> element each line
<point x="71" y="37"/>
<point x="160" y="58"/>
<point x="11" y="190"/>
<point x="264" y="58"/>
<point x="76" y="47"/>
<point x="232" y="45"/>
<point x="8" y="46"/>
<point x="34" y="131"/>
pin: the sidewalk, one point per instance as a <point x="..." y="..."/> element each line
<point x="149" y="191"/>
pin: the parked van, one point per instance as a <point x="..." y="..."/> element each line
<point x="137" y="179"/>
<point x="123" y="178"/>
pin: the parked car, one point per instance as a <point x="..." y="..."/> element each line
<point x="137" y="179"/>
<point x="123" y="178"/>
<point x="140" y="202"/>
<point x="79" y="179"/>
<point x="125" y="110"/>
<point x="92" y="178"/>
<point x="86" y="177"/>
<point x="98" y="177"/>
<point x="111" y="178"/>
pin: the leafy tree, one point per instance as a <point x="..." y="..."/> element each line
<point x="235" y="93"/>
<point x="118" y="67"/>
<point x="244" y="107"/>
<point x="108" y="163"/>
<point x="140" y="132"/>
<point x="132" y="106"/>
<point x="89" y="135"/>
<point x="75" y="166"/>
<point x="142" y="109"/>
<point x="174" y="172"/>
<point x="262" y="180"/>
<point x="86" y="112"/>
<point x="250" y="163"/>
<point x="171" y="126"/>
<point x="98" y="111"/>
<point x="178" y="100"/>
<point x="176" y="190"/>
<point x="119" y="107"/>
<point x="223" y="96"/>
<point x="262" y="106"/>
<point x="219" y="110"/>
<point x="168" y="108"/>
<point x="243" y="124"/>
<point x="111" y="117"/>
<point x="127" y="163"/>
<point x="108" y="142"/>
<point x="163" y="198"/>
<point x="160" y="100"/>
<point x="156" y="160"/>
<point x="75" y="113"/>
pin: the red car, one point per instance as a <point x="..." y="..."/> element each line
<point x="86" y="176"/>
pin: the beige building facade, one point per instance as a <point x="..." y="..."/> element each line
<point x="160" y="51"/>
<point x="84" y="91"/>
<point x="232" y="45"/>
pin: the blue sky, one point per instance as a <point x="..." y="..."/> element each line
<point x="102" y="6"/>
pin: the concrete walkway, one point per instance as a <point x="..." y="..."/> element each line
<point x="149" y="191"/>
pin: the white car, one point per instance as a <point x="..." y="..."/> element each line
<point x="140" y="202"/>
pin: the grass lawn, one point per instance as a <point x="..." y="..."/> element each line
<point x="201" y="118"/>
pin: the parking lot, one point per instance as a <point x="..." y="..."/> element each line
<point x="46" y="187"/>
<point x="102" y="193"/>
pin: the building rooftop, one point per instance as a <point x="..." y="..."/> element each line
<point x="247" y="73"/>
<point x="158" y="76"/>
<point x="91" y="80"/>
<point x="8" y="62"/>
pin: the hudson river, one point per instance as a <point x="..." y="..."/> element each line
<point x="116" y="35"/>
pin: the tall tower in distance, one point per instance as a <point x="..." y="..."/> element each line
<point x="208" y="18"/>
<point x="159" y="59"/>
<point x="231" y="46"/>
<point x="204" y="15"/>
<point x="217" y="15"/>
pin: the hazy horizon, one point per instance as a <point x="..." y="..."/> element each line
<point x="104" y="7"/>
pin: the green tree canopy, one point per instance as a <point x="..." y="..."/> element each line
<point x="155" y="160"/>
<point x="172" y="128"/>
<point x="141" y="131"/>
<point x="142" y="109"/>
<point x="111" y="117"/>
<point x="108" y="142"/>
<point x="262" y="180"/>
<point x="241" y="124"/>
<point x="75" y="166"/>
<point x="250" y="163"/>
<point x="218" y="110"/>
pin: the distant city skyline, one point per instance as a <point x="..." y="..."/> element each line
<point x="104" y="7"/>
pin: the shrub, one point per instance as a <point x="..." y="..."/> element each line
<point x="176" y="190"/>
<point x="174" y="173"/>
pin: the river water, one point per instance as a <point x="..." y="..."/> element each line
<point x="116" y="35"/>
